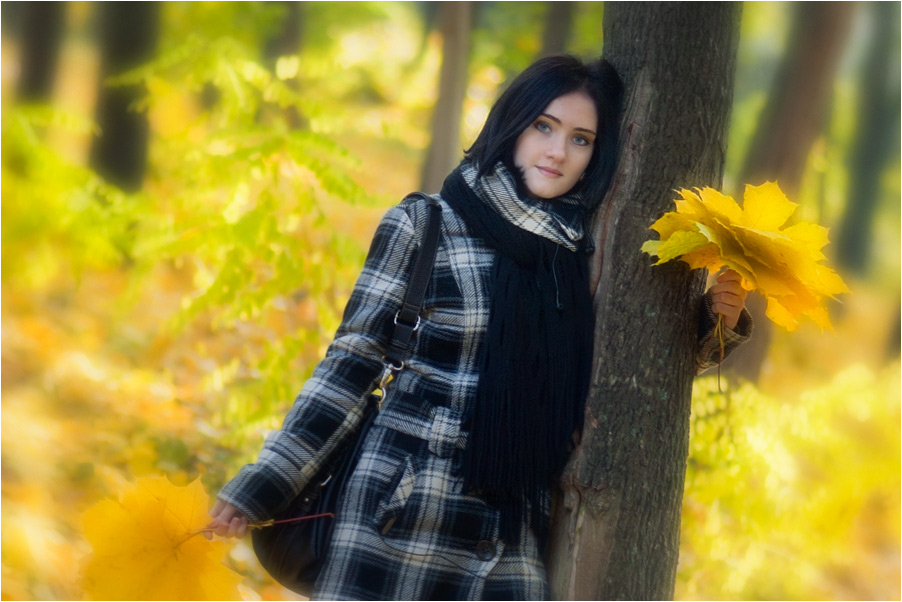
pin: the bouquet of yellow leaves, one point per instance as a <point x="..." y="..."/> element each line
<point x="710" y="230"/>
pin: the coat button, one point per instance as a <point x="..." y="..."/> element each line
<point x="485" y="550"/>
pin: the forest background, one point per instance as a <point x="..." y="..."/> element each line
<point x="171" y="273"/>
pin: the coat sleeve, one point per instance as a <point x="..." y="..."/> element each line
<point x="709" y="345"/>
<point x="329" y="407"/>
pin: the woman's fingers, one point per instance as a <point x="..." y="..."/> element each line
<point x="728" y="297"/>
<point x="227" y="521"/>
<point x="729" y="275"/>
<point x="217" y="508"/>
<point x="238" y="527"/>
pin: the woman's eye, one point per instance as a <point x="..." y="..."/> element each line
<point x="543" y="127"/>
<point x="582" y="141"/>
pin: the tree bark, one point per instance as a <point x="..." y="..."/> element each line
<point x="558" y="27"/>
<point x="795" y="115"/>
<point x="128" y="36"/>
<point x="444" y="151"/>
<point x="615" y="534"/>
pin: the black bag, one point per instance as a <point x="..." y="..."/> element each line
<point x="293" y="552"/>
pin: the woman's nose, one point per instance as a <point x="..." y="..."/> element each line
<point x="557" y="148"/>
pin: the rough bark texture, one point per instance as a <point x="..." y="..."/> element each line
<point x="128" y="36"/>
<point x="616" y="534"/>
<point x="444" y="151"/>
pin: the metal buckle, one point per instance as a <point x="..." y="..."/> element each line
<point x="416" y="326"/>
<point x="388" y="372"/>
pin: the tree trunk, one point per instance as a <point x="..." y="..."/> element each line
<point x="616" y="533"/>
<point x="128" y="35"/>
<point x="876" y="137"/>
<point x="794" y="116"/>
<point x="42" y="26"/>
<point x="286" y="42"/>
<point x="444" y="150"/>
<point x="558" y="26"/>
<point x="796" y="108"/>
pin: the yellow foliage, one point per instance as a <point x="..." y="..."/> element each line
<point x="148" y="546"/>
<point x="710" y="230"/>
<point x="793" y="496"/>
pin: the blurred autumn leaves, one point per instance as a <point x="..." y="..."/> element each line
<point x="148" y="545"/>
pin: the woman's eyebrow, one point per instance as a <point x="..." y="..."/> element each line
<point x="558" y="121"/>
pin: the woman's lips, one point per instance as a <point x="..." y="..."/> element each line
<point x="548" y="171"/>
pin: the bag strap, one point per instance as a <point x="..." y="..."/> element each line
<point x="407" y="319"/>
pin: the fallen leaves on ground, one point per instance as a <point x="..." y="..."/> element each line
<point x="710" y="230"/>
<point x="148" y="546"/>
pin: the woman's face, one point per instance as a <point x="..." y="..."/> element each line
<point x="555" y="150"/>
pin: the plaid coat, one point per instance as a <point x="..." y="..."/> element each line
<point x="405" y="529"/>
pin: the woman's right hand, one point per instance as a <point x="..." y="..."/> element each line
<point x="228" y="521"/>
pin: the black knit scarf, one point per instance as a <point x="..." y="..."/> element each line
<point x="535" y="362"/>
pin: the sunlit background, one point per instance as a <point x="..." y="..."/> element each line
<point x="167" y="287"/>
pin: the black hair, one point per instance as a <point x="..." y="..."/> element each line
<point x="530" y="93"/>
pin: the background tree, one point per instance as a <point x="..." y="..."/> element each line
<point x="795" y="115"/>
<point x="876" y="137"/>
<point x="445" y="151"/>
<point x="128" y="34"/>
<point x="287" y="41"/>
<point x="558" y="27"/>
<point x="41" y="27"/>
<point x="616" y="534"/>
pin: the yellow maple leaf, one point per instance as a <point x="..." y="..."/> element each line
<point x="710" y="230"/>
<point x="148" y="546"/>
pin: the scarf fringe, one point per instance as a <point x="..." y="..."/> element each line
<point x="534" y="363"/>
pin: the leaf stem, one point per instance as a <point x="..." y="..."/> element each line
<point x="718" y="332"/>
<point x="268" y="523"/>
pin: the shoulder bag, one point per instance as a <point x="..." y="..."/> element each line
<point x="293" y="552"/>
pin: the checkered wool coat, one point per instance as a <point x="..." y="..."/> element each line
<point x="405" y="530"/>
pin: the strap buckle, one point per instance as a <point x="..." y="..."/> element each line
<point x="416" y="326"/>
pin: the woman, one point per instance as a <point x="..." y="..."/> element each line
<point x="450" y="499"/>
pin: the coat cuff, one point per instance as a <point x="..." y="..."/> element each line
<point x="259" y="496"/>
<point x="709" y="353"/>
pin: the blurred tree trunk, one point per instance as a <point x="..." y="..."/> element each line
<point x="287" y="42"/>
<point x="796" y="108"/>
<point x="41" y="35"/>
<point x="558" y="27"/>
<point x="795" y="115"/>
<point x="444" y="150"/>
<point x="876" y="137"/>
<point x="616" y="530"/>
<point x="128" y="34"/>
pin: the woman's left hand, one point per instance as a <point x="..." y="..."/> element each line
<point x="728" y="297"/>
<point x="228" y="521"/>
